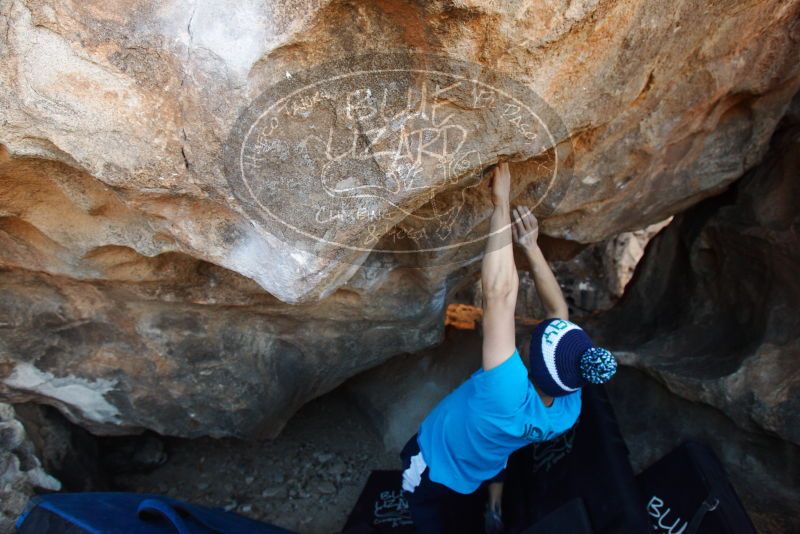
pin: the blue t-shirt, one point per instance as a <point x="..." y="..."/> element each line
<point x="469" y="435"/>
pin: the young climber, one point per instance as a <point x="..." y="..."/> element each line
<point x="467" y="438"/>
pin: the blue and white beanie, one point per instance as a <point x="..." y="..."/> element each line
<point x="563" y="359"/>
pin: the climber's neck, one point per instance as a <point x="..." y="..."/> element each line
<point x="547" y="400"/>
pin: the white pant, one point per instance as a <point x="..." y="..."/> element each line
<point x="413" y="475"/>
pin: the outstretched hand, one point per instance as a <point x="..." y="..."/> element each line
<point x="525" y="227"/>
<point x="501" y="184"/>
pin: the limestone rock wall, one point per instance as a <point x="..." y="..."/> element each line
<point x="141" y="287"/>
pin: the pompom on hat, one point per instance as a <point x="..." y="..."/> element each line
<point x="563" y="358"/>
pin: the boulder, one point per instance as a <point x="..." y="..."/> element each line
<point x="21" y="472"/>
<point x="711" y="309"/>
<point x="211" y="213"/>
<point x="211" y="355"/>
<point x="397" y="395"/>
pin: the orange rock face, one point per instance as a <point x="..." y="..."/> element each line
<point x="210" y="214"/>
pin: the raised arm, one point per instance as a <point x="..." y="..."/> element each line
<point x="499" y="276"/>
<point x="526" y="234"/>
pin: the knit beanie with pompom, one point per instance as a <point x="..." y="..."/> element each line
<point x="563" y="359"/>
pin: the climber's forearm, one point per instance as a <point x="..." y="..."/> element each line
<point x="546" y="284"/>
<point x="498" y="273"/>
<point x="499" y="282"/>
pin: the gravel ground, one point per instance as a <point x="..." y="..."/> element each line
<point x="306" y="480"/>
